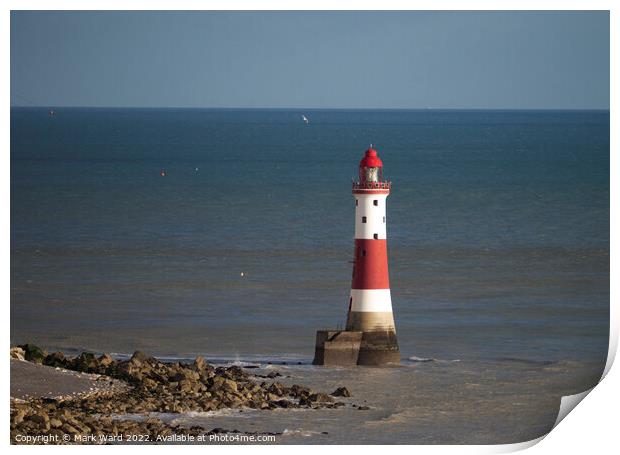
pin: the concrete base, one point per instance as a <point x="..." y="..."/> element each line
<point x="337" y="348"/>
<point x="348" y="348"/>
<point x="379" y="348"/>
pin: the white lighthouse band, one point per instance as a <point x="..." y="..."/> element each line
<point x="370" y="216"/>
<point x="371" y="300"/>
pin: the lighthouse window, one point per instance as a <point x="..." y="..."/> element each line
<point x="363" y="219"/>
<point x="375" y="202"/>
<point x="376" y="236"/>
<point x="384" y="219"/>
<point x="371" y="174"/>
<point x="356" y="201"/>
<point x="363" y="252"/>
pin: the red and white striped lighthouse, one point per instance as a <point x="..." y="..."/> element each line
<point x="370" y="335"/>
<point x="370" y="302"/>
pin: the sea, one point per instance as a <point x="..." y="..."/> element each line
<point x="228" y="233"/>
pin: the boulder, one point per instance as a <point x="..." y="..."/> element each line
<point x="284" y="404"/>
<point x="149" y="384"/>
<point x="19" y="417"/>
<point x="140" y="357"/>
<point x="185" y="386"/>
<point x="55" y="423"/>
<point x="185" y="375"/>
<point x="225" y="384"/>
<point x="298" y="391"/>
<point x="67" y="428"/>
<point x="33" y="353"/>
<point x="129" y="371"/>
<point x="18" y="353"/>
<point x="341" y="392"/>
<point x="106" y="360"/>
<point x="200" y="364"/>
<point x="56" y="359"/>
<point x="86" y="362"/>
<point x="320" y="398"/>
<point x="41" y="419"/>
<point x="236" y="372"/>
<point x="277" y="389"/>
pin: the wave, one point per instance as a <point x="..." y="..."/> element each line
<point x="414" y="358"/>
<point x="302" y="432"/>
<point x="527" y="361"/>
<point x="417" y="359"/>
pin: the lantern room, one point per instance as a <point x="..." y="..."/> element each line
<point x="371" y="167"/>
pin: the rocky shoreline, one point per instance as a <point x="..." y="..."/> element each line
<point x="152" y="386"/>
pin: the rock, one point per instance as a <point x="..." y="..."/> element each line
<point x="141" y="357"/>
<point x="277" y="389"/>
<point x="69" y="429"/>
<point x="298" y="391"/>
<point x="40" y="419"/>
<point x="86" y="362"/>
<point x="284" y="404"/>
<point x="130" y="371"/>
<point x="55" y="423"/>
<point x="185" y="386"/>
<point x="18" y="353"/>
<point x="341" y="392"/>
<point x="185" y="375"/>
<point x="236" y="372"/>
<point x="106" y="360"/>
<point x="149" y="384"/>
<point x="320" y="398"/>
<point x="363" y="408"/>
<point x="200" y="364"/>
<point x="19" y="417"/>
<point x="33" y="353"/>
<point x="225" y="384"/>
<point x="273" y="374"/>
<point x="56" y="359"/>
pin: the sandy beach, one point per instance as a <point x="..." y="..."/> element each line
<point x="32" y="380"/>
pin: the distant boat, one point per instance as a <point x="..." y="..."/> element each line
<point x="51" y="112"/>
<point x="305" y="119"/>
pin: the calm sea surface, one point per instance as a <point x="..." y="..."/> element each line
<point x="498" y="237"/>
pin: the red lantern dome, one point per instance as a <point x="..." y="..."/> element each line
<point x="371" y="159"/>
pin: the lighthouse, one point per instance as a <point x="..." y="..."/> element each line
<point x="370" y="335"/>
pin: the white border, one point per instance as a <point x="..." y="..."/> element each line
<point x="591" y="429"/>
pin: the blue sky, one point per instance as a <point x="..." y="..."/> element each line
<point x="520" y="60"/>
